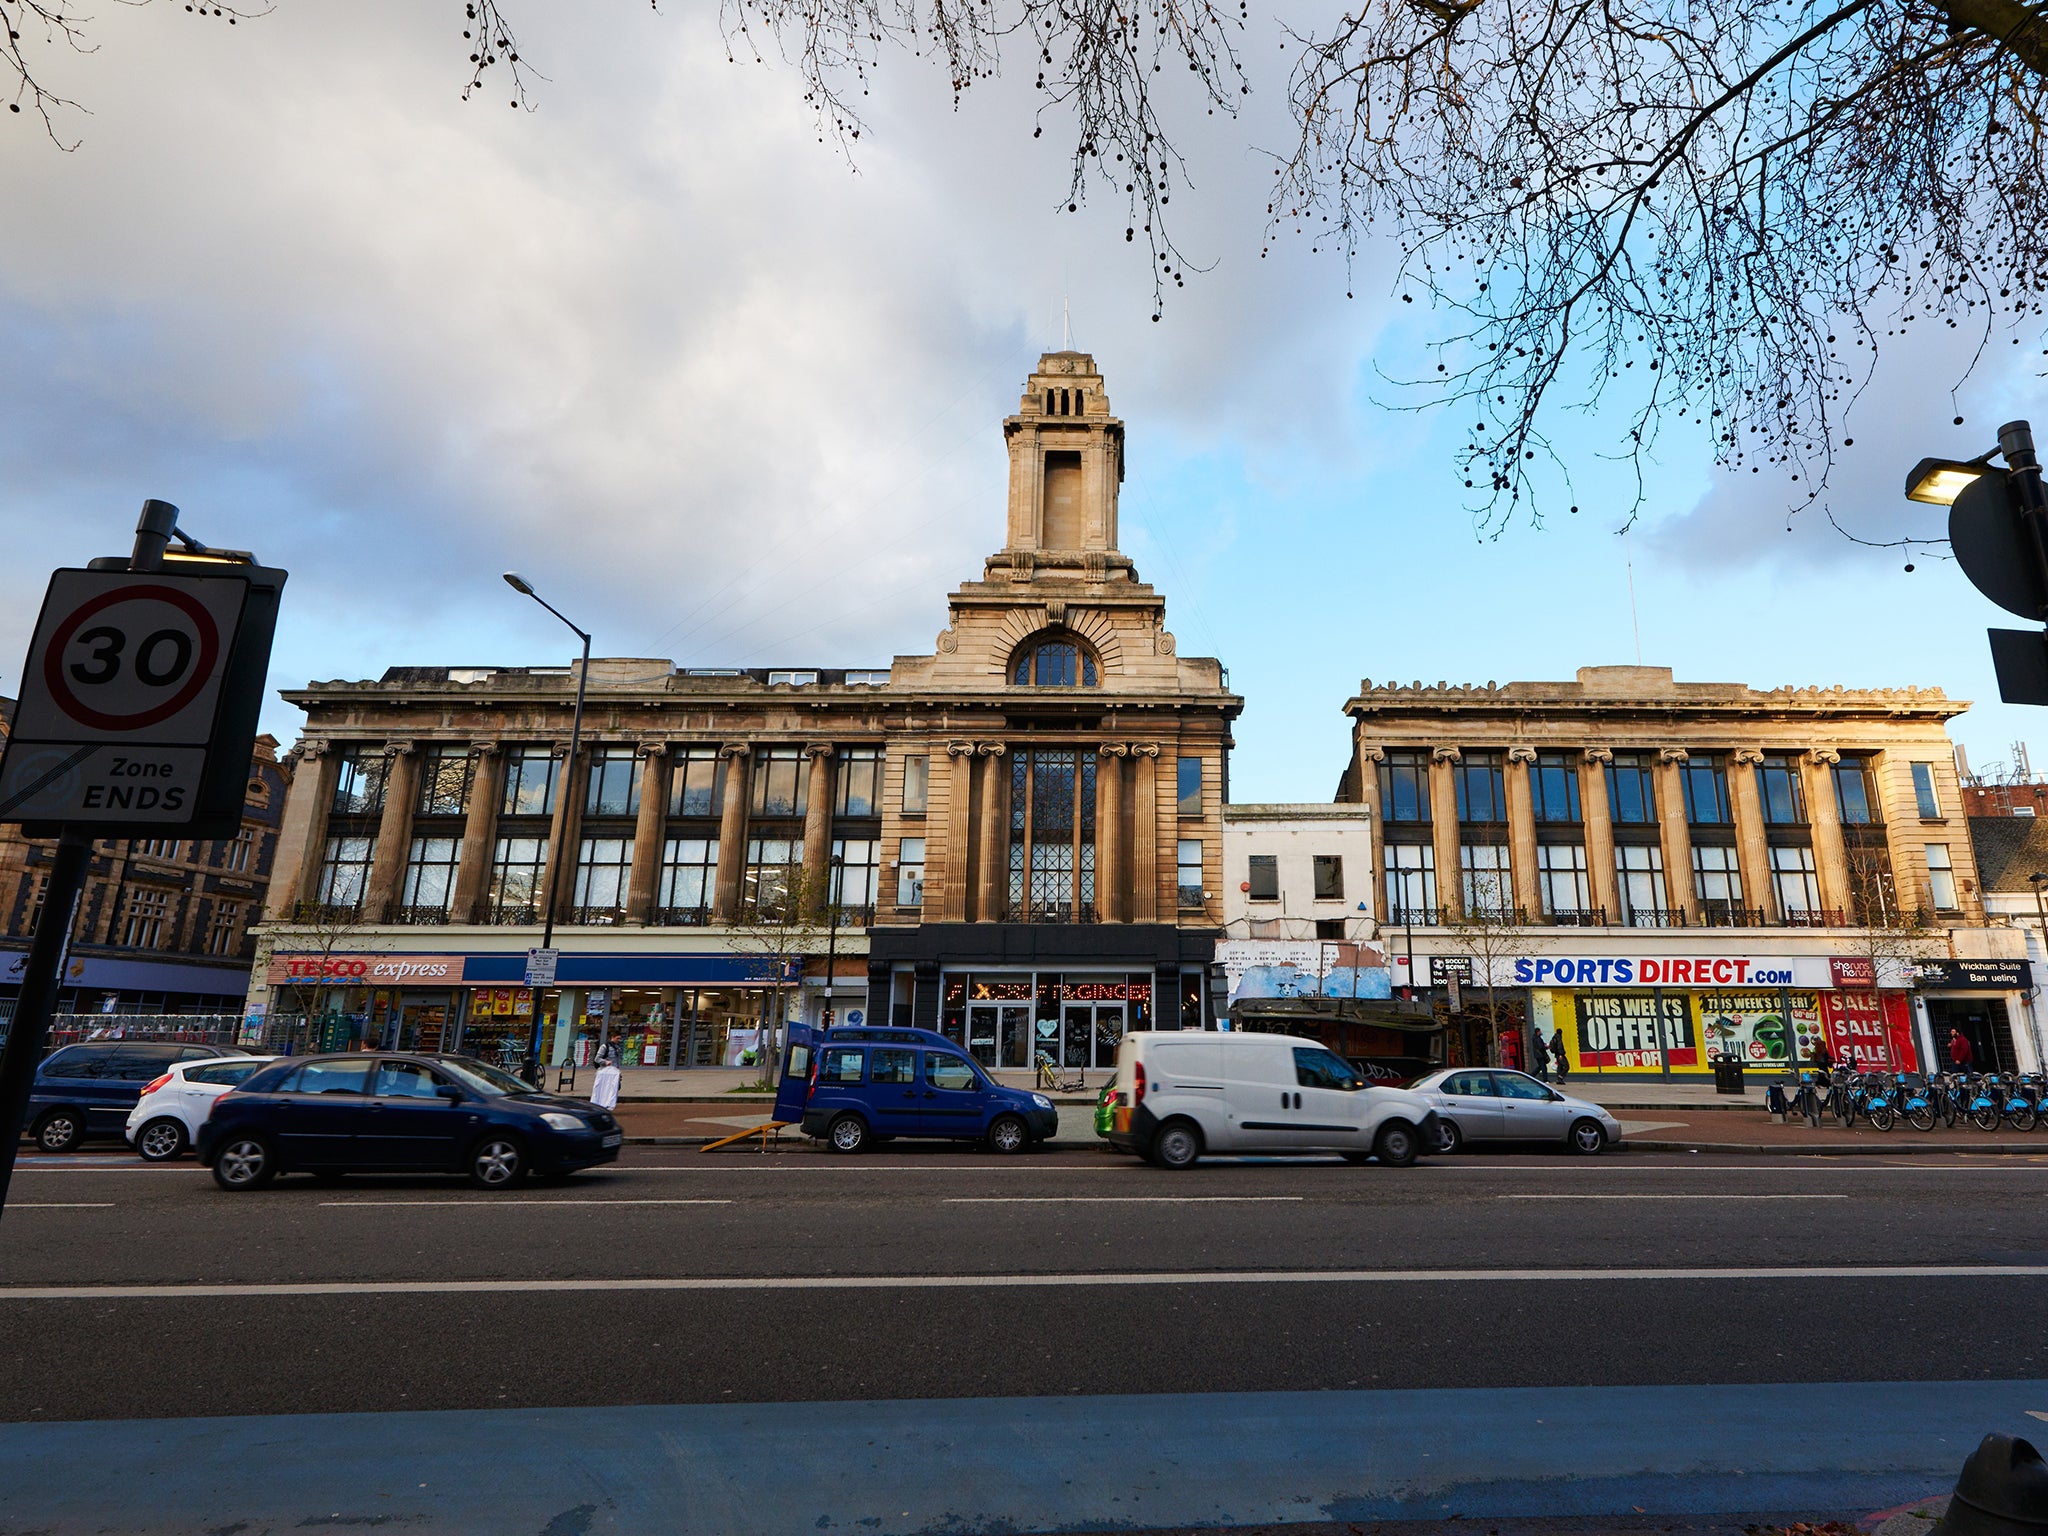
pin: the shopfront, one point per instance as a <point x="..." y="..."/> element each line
<point x="1067" y="1018"/>
<point x="1979" y="1000"/>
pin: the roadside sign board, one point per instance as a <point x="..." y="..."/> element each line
<point x="139" y="699"/>
<point x="540" y="967"/>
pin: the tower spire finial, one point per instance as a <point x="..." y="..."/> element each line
<point x="1066" y="326"/>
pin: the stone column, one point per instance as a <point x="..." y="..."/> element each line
<point x="566" y="829"/>
<point x="991" y="865"/>
<point x="1675" y="834"/>
<point x="479" y="833"/>
<point x="302" y="833"/>
<point x="1443" y="827"/>
<point x="1522" y="833"/>
<point x="394" y="832"/>
<point x="1109" y="831"/>
<point x="1824" y="816"/>
<point x="1369" y="757"/>
<point x="958" y="877"/>
<point x="1752" y="849"/>
<point x="818" y="829"/>
<point x="732" y="837"/>
<point x="647" y="832"/>
<point x="1145" y="835"/>
<point x="1599" y="832"/>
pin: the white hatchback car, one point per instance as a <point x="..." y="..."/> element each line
<point x="172" y="1108"/>
<point x="1493" y="1104"/>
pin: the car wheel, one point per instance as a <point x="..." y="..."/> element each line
<point x="162" y="1140"/>
<point x="1448" y="1137"/>
<point x="1008" y="1135"/>
<point x="849" y="1133"/>
<point x="1588" y="1138"/>
<point x="61" y="1130"/>
<point x="244" y="1162"/>
<point x="1177" y="1145"/>
<point x="1397" y="1144"/>
<point x="497" y="1162"/>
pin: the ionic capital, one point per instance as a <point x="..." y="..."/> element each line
<point x="486" y="748"/>
<point x="1373" y="754"/>
<point x="400" y="748"/>
<point x="1446" y="755"/>
<point x="734" y="749"/>
<point x="1673" y="755"/>
<point x="1750" y="755"/>
<point x="1144" y="749"/>
<point x="990" y="748"/>
<point x="1828" y="755"/>
<point x="1114" y="749"/>
<point x="1521" y="754"/>
<point x="818" y="749"/>
<point x="959" y="749"/>
<point x="1599" y="754"/>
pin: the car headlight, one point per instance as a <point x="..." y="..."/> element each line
<point x="1041" y="1101"/>
<point x="562" y="1122"/>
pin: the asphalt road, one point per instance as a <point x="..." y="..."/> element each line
<point x="679" y="1278"/>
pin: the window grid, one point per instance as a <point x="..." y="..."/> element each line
<point x="429" y="886"/>
<point x="916" y="784"/>
<point x="1404" y="787"/>
<point x="858" y="790"/>
<point x="1562" y="881"/>
<point x="910" y="872"/>
<point x="1924" y="795"/>
<point x="359" y="782"/>
<point x="1794" y="881"/>
<point x="1706" y="793"/>
<point x="1941" y="877"/>
<point x="144" y="924"/>
<point x="856" y="876"/>
<point x="1262" y="873"/>
<point x="779" y="788"/>
<point x="689" y="877"/>
<point x="1639" y="884"/>
<point x="1411" y="883"/>
<point x="1782" y="793"/>
<point x="445" y="774"/>
<point x="696" y="784"/>
<point x="530" y="774"/>
<point x="1189" y="784"/>
<point x="1327" y="872"/>
<point x="772" y="863"/>
<point x="1188" y="869"/>
<point x="1482" y="788"/>
<point x="224" y="929"/>
<point x="604" y="874"/>
<point x="518" y="873"/>
<point x="345" y="872"/>
<point x="612" y="787"/>
<point x="1486" y="880"/>
<point x="1554" y="788"/>
<point x="1631" y="789"/>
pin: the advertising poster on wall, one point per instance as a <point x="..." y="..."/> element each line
<point x="1754" y="1027"/>
<point x="1872" y="1030"/>
<point x="1280" y="968"/>
<point x="1629" y="1031"/>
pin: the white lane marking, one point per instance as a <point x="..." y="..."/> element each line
<point x="60" y="1205"/>
<point x="486" y="1203"/>
<point x="1670" y="1197"/>
<point x="1011" y="1282"/>
<point x="1119" y="1199"/>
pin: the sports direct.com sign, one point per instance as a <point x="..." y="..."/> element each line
<point x="1670" y="971"/>
<point x="365" y="970"/>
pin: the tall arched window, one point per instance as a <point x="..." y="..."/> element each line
<point x="1053" y="663"/>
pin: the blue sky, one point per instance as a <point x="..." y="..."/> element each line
<point x="730" y="400"/>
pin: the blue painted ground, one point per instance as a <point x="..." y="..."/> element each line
<point x="1015" y="1464"/>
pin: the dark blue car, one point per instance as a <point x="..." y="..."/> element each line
<point x="864" y="1085"/>
<point x="387" y="1113"/>
<point x="87" y="1089"/>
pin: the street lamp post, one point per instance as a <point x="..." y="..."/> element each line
<point x="831" y="941"/>
<point x="2037" y="880"/>
<point x="519" y="584"/>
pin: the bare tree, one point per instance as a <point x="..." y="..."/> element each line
<point x="1885" y="933"/>
<point x="1493" y="933"/>
<point x="782" y="929"/>
<point x="317" y="933"/>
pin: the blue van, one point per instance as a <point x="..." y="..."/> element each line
<point x="853" y="1086"/>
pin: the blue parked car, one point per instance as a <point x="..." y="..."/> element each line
<point x="855" y="1086"/>
<point x="88" y="1089"/>
<point x="386" y="1113"/>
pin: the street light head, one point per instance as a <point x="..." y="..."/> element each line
<point x="1939" y="482"/>
<point x="2036" y="878"/>
<point x="518" y="583"/>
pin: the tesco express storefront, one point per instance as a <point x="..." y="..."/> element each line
<point x="1670" y="1015"/>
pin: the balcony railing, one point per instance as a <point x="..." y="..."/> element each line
<point x="597" y="917"/>
<point x="1726" y="914"/>
<point x="1578" y="917"/>
<point x="1649" y="917"/>
<point x="852" y="917"/>
<point x="326" y="912"/>
<point x="513" y="914"/>
<point x="1050" y="912"/>
<point x="1507" y="917"/>
<point x="428" y="916"/>
<point x="1415" y="917"/>
<point x="1817" y="917"/>
<point x="682" y="917"/>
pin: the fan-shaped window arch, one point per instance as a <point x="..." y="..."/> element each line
<point x="1054" y="660"/>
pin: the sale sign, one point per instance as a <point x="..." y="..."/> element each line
<point x="1871" y="1030"/>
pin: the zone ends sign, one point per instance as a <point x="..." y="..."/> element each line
<point x="139" y="700"/>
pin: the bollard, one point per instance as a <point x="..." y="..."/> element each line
<point x="2003" y="1491"/>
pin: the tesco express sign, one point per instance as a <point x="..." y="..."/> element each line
<point x="1639" y="971"/>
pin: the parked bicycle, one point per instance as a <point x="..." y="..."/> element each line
<point x="1050" y="1081"/>
<point x="1917" y="1101"/>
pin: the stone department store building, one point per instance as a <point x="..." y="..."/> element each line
<point x="1020" y="830"/>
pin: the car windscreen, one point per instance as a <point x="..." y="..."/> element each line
<point x="488" y="1081"/>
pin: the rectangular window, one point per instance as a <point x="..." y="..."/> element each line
<point x="1855" y="794"/>
<point x="144" y="925"/>
<point x="1487" y="880"/>
<point x="1716" y="879"/>
<point x="1188" y="869"/>
<point x="1706" y="792"/>
<point x="1923" y="792"/>
<point x="604" y="871"/>
<point x="794" y="679"/>
<point x="445" y="772"/>
<point x="1793" y="880"/>
<point x="1328" y="870"/>
<point x="345" y="872"/>
<point x="165" y="848"/>
<point x="772" y="863"/>
<point x="1482" y="789"/>
<point x="1404" y="787"/>
<point x="1554" y="787"/>
<point x="910" y="872"/>
<point x="892" y="1065"/>
<point x="856" y="876"/>
<point x="224" y="930"/>
<point x="518" y="872"/>
<point x="1561" y="880"/>
<point x="779" y="782"/>
<point x="1631" y="789"/>
<point x="689" y="877"/>
<point x="613" y="787"/>
<point x="359" y="784"/>
<point x="696" y="783"/>
<point x="430" y="878"/>
<point x="916" y="778"/>
<point x="1783" y="795"/>
<point x="858" y="791"/>
<point x="1191" y="786"/>
<point x="1941" y="878"/>
<point x="530" y="782"/>
<point x="1411" y="883"/>
<point x="241" y="853"/>
<point x="1264" y="875"/>
<point x="1639" y="884"/>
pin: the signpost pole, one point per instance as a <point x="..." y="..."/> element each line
<point x="41" y="979"/>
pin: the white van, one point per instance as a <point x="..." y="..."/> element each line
<point x="1180" y="1093"/>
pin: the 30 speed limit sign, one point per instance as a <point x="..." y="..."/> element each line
<point x="123" y="696"/>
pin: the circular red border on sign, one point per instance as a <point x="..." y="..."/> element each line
<point x="84" y="714"/>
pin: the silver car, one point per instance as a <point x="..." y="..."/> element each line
<point x="1492" y="1104"/>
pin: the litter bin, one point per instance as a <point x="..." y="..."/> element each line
<point x="1728" y="1074"/>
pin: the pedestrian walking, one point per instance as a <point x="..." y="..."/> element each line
<point x="1539" y="1055"/>
<point x="1960" y="1053"/>
<point x="1557" y="1055"/>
